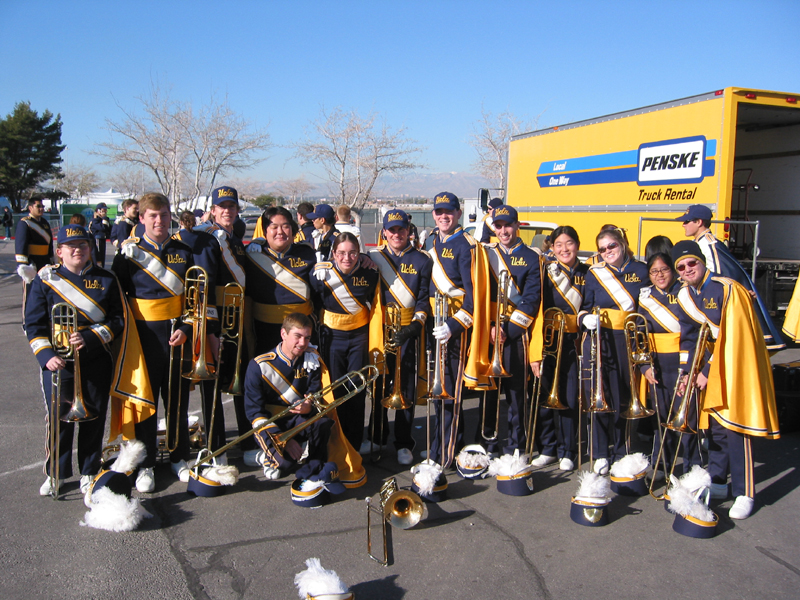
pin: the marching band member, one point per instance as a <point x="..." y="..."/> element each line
<point x="665" y="319"/>
<point x="696" y="222"/>
<point x="123" y="227"/>
<point x="460" y="273"/>
<point x="231" y="265"/>
<point x="564" y="282"/>
<point x="523" y="296"/>
<point x="152" y="271"/>
<point x="278" y="276"/>
<point x="405" y="281"/>
<point x="613" y="286"/>
<point x="324" y="220"/>
<point x="95" y="293"/>
<point x="33" y="247"/>
<point x="739" y="400"/>
<point x="347" y="292"/>
<point x="100" y="229"/>
<point x="484" y="232"/>
<point x="307" y="229"/>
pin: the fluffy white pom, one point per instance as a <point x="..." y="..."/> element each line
<point x="114" y="512"/>
<point x="696" y="479"/>
<point x="315" y="581"/>
<point x="593" y="485"/>
<point x="307" y="485"/>
<point x="508" y="465"/>
<point x="130" y="456"/>
<point x="630" y="465"/>
<point x="226" y="475"/>
<point x="472" y="458"/>
<point x="425" y="475"/>
<point x="683" y="502"/>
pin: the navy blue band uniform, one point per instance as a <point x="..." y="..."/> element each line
<point x="278" y="285"/>
<point x="558" y="429"/>
<point x="666" y="319"/>
<point x="33" y="245"/>
<point x="324" y="242"/>
<point x="524" y="297"/>
<point x="346" y="302"/>
<point x="101" y="317"/>
<point x="739" y="400"/>
<point x="100" y="230"/>
<point x="405" y="281"/>
<point x="121" y="231"/>
<point x="305" y="235"/>
<point x="616" y="293"/>
<point x="272" y="382"/>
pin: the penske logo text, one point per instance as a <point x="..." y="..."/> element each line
<point x="672" y="161"/>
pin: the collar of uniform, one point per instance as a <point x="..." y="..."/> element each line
<point x="128" y="221"/>
<point x="566" y="267"/>
<point x="282" y="356"/>
<point x="458" y="231"/>
<point x="402" y="252"/>
<point x="621" y="268"/>
<point x="155" y="245"/>
<point x="516" y="246"/>
<point x="706" y="278"/>
<point x="670" y="290"/>
<point x="279" y="255"/>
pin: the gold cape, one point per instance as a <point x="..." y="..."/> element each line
<point x="791" y="323"/>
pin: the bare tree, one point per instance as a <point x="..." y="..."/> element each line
<point x="132" y="181"/>
<point x="490" y="137"/>
<point x="185" y="150"/>
<point x="355" y="151"/>
<point x="76" y="181"/>
<point x="294" y="190"/>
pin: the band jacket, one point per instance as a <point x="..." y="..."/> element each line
<point x="278" y="284"/>
<point x="206" y="250"/>
<point x="614" y="291"/>
<point x="325" y="242"/>
<point x="461" y="272"/>
<point x="121" y="231"/>
<point x="720" y="261"/>
<point x="33" y="243"/>
<point x="96" y="295"/>
<point x="100" y="228"/>
<point x="231" y="261"/>
<point x="666" y="318"/>
<point x="562" y="288"/>
<point x="740" y="393"/>
<point x="305" y="234"/>
<point x="347" y="299"/>
<point x="524" y="293"/>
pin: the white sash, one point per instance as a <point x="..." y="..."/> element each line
<point x="397" y="287"/>
<point x="499" y="265"/>
<point x="614" y="288"/>
<point x="660" y="313"/>
<point x="687" y="303"/>
<point x="38" y="229"/>
<point x="341" y="292"/>
<point x="278" y="382"/>
<point x="233" y="266"/>
<point x="75" y="296"/>
<point x="280" y="274"/>
<point x="442" y="281"/>
<point x="562" y="282"/>
<point x="159" y="271"/>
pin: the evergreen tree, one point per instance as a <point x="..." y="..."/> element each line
<point x="30" y="151"/>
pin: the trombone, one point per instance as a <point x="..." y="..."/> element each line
<point x="553" y="329"/>
<point x="496" y="368"/>
<point x="679" y="422"/>
<point x="63" y="323"/>
<point x="596" y="400"/>
<point x="353" y="382"/>
<point x="435" y="370"/>
<point x="637" y="344"/>
<point x="400" y="508"/>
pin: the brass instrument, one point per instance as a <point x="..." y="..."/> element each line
<point x="496" y="368"/>
<point x="396" y="400"/>
<point x="553" y="329"/>
<point x="354" y="381"/>
<point x="597" y="398"/>
<point x="196" y="313"/>
<point x="680" y="421"/>
<point x="400" y="508"/>
<point x="637" y="342"/>
<point x="376" y="414"/>
<point x="63" y="323"/>
<point x="440" y="310"/>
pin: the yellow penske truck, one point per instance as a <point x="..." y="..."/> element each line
<point x="734" y="150"/>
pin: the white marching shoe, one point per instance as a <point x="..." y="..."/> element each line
<point x="566" y="464"/>
<point x="405" y="456"/>
<point x="181" y="470"/>
<point x="46" y="488"/>
<point x="543" y="460"/>
<point x="601" y="466"/>
<point x="271" y="473"/>
<point x="742" y="507"/>
<point x="86" y="482"/>
<point x="145" y="480"/>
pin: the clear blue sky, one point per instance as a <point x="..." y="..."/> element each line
<point x="426" y="65"/>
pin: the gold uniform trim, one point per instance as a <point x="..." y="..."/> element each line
<point x="161" y="309"/>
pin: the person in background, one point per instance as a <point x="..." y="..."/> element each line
<point x="100" y="230"/>
<point x="344" y="223"/>
<point x="8" y="221"/>
<point x="125" y="224"/>
<point x="33" y="247"/>
<point x="307" y="229"/>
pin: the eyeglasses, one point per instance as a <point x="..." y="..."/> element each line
<point x="345" y="254"/>
<point x="664" y="271"/>
<point x="76" y="247"/>
<point x="687" y="264"/>
<point x="611" y="246"/>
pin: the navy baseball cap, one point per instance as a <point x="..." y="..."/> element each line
<point x="223" y="194"/>
<point x="495" y="203"/>
<point x="687" y="249"/>
<point x="395" y="218"/>
<point x="101" y="205"/>
<point x="696" y="211"/>
<point x="447" y="201"/>
<point x="321" y="211"/>
<point x="505" y="213"/>
<point x="198" y="212"/>
<point x="72" y="233"/>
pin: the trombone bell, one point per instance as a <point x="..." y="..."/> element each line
<point x="400" y="508"/>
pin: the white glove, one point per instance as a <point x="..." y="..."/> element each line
<point x="319" y="257"/>
<point x="47" y="273"/>
<point x="256" y="245"/>
<point x="320" y="273"/>
<point x="590" y="322"/>
<point x="442" y="333"/>
<point x="260" y="422"/>
<point x="311" y="360"/>
<point x="27" y="272"/>
<point x="131" y="251"/>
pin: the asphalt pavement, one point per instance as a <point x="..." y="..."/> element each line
<point x="478" y="543"/>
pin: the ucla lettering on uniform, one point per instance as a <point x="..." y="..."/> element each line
<point x="632" y="278"/>
<point x="72" y="232"/>
<point x="174" y="259"/>
<point x="225" y="193"/>
<point x="673" y="299"/>
<point x="297" y="263"/>
<point x="360" y="282"/>
<point x="710" y="304"/>
<point x="517" y="261"/>
<point x="393" y="216"/>
<point x="447" y="253"/>
<point x="93" y="285"/>
<point x="503" y="212"/>
<point x="580" y="280"/>
<point x="300" y="373"/>
<point x="409" y="269"/>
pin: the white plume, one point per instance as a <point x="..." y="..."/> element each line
<point x="315" y="581"/>
<point x="508" y="465"/>
<point x="684" y="503"/>
<point x="425" y="475"/>
<point x="131" y="455"/>
<point x="472" y="458"/>
<point x="696" y="479"/>
<point x="593" y="485"/>
<point x="226" y="475"/>
<point x="630" y="465"/>
<point x="114" y="512"/>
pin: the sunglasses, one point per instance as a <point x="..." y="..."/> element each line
<point x="687" y="264"/>
<point x="611" y="246"/>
